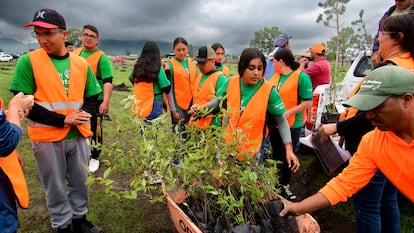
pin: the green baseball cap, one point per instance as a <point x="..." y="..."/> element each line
<point x="380" y="84"/>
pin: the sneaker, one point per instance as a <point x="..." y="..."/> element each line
<point x="84" y="226"/>
<point x="106" y="117"/>
<point x="67" y="229"/>
<point x="93" y="165"/>
<point x="287" y="193"/>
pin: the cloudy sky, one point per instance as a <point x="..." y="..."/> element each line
<point x="231" y="22"/>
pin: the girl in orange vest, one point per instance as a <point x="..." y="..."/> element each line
<point x="150" y="82"/>
<point x="12" y="182"/>
<point x="381" y="213"/>
<point x="249" y="100"/>
<point x="219" y="49"/>
<point x="183" y="74"/>
<point x="295" y="89"/>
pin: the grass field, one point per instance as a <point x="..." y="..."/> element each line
<point x="125" y="216"/>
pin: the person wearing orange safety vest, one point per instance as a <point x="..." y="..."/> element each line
<point x="65" y="94"/>
<point x="395" y="38"/>
<point x="183" y="72"/>
<point x="13" y="185"/>
<point x="150" y="82"/>
<point x="219" y="49"/>
<point x="295" y="89"/>
<point x="387" y="98"/>
<point x="102" y="68"/>
<point x="209" y="83"/>
<point x="249" y="99"/>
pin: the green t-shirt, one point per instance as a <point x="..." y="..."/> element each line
<point x="184" y="63"/>
<point x="104" y="70"/>
<point x="304" y="92"/>
<point x="23" y="80"/>
<point x="161" y="83"/>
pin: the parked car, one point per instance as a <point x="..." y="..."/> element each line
<point x="119" y="60"/>
<point x="5" y="57"/>
<point x="321" y="102"/>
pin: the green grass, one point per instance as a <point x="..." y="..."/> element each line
<point x="119" y="216"/>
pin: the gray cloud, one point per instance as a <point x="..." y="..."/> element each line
<point x="231" y="22"/>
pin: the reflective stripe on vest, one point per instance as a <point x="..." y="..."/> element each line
<point x="183" y="83"/>
<point x="143" y="99"/>
<point x="92" y="59"/>
<point x="250" y="121"/>
<point x="50" y="93"/>
<point x="289" y="92"/>
<point x="205" y="94"/>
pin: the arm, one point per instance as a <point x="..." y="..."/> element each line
<point x="357" y="125"/>
<point x="107" y="90"/>
<point x="307" y="104"/>
<point x="10" y="132"/>
<point x="310" y="204"/>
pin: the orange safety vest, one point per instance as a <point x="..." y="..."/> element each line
<point x="404" y="60"/>
<point x="289" y="92"/>
<point x="50" y="94"/>
<point x="11" y="167"/>
<point x="92" y="59"/>
<point x="250" y="120"/>
<point x="204" y="95"/>
<point x="143" y="99"/>
<point x="183" y="83"/>
<point x="226" y="71"/>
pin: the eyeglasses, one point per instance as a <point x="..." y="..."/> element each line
<point x="46" y="34"/>
<point x="90" y="36"/>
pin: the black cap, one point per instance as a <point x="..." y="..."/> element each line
<point x="47" y="18"/>
<point x="205" y="53"/>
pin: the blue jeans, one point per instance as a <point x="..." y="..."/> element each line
<point x="376" y="207"/>
<point x="157" y="109"/>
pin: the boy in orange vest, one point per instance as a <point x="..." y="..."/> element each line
<point x="65" y="93"/>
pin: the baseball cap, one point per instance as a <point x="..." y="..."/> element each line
<point x="205" y="53"/>
<point x="318" y="48"/>
<point x="47" y="18"/>
<point x="281" y="40"/>
<point x="380" y="84"/>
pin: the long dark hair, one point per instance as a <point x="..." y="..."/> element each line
<point x="287" y="57"/>
<point x="401" y="24"/>
<point x="246" y="56"/>
<point x="148" y="66"/>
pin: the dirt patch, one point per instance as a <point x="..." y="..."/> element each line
<point x="121" y="87"/>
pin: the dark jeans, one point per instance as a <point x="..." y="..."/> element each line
<point x="157" y="109"/>
<point x="279" y="152"/>
<point x="376" y="207"/>
<point x="97" y="137"/>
